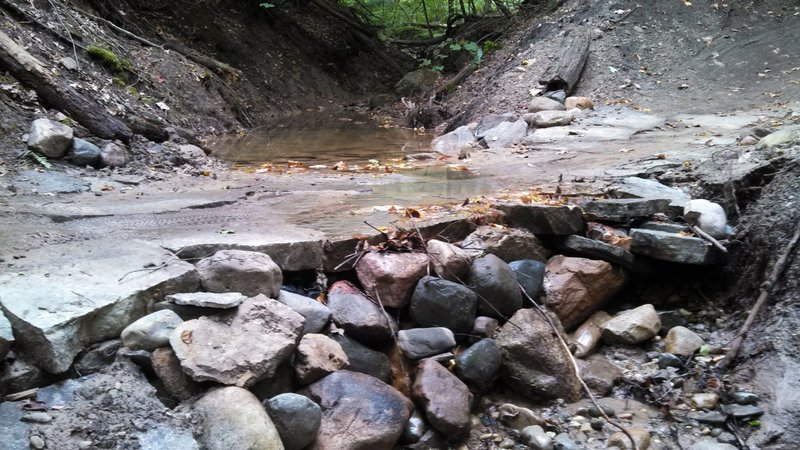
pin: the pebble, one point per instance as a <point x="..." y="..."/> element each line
<point x="621" y="440"/>
<point x="535" y="438"/>
<point x="705" y="400"/>
<point x="744" y="398"/>
<point x="597" y="424"/>
<point x="669" y="360"/>
<point x="595" y="412"/>
<point x="563" y="442"/>
<point x="507" y="443"/>
<point x="37" y="442"/>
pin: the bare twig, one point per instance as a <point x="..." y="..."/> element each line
<point x="766" y="289"/>
<point x="699" y="231"/>
<point x="565" y="346"/>
<point x="122" y="30"/>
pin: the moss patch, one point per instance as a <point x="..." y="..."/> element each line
<point x="122" y="67"/>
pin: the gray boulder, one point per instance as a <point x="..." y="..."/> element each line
<point x="544" y="104"/>
<point x="444" y="398"/>
<point x="416" y="82"/>
<point x="543" y="370"/>
<point x="251" y="273"/>
<point x="448" y="261"/>
<point x="362" y="358"/>
<point x="673" y="247"/>
<point x="632" y="326"/>
<point x="490" y="121"/>
<point x="418" y="343"/>
<point x="151" y="331"/>
<point x="6" y="336"/>
<point x="479" y="365"/>
<point x="358" y="412"/>
<point x="454" y="143"/>
<point x="243" y="349"/>
<point x="359" y="317"/>
<point x="50" y="138"/>
<point x="233" y="418"/>
<point x="506" y="134"/>
<point x="84" y="153"/>
<point x="297" y="419"/>
<point x="215" y="300"/>
<point x="317" y="355"/>
<point x="499" y="295"/>
<point x="316" y="314"/>
<point x="442" y="303"/>
<point x="508" y="244"/>
<point x="113" y="155"/>
<point x="530" y="275"/>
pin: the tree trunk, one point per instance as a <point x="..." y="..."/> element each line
<point x="28" y="70"/>
<point x="568" y="67"/>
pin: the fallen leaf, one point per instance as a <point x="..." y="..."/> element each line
<point x="186" y="336"/>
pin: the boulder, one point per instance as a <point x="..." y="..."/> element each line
<point x="6" y="336"/>
<point x="506" y="134"/>
<point x="682" y="341"/>
<point x="418" y="343"/>
<point x="362" y="358"/>
<point x="508" y="244"/>
<point x="479" y="365"/>
<point x="208" y="299"/>
<point x="84" y="153"/>
<point x="709" y="216"/>
<point x="672" y="247"/>
<point x="251" y="273"/>
<point x="594" y="249"/>
<point x="359" y="317"/>
<point x="499" y="295"/>
<point x="241" y="350"/>
<point x="50" y="138"/>
<point x="447" y="260"/>
<point x="444" y="399"/>
<point x="530" y="275"/>
<point x="543" y="370"/>
<point x="318" y="355"/>
<point x="168" y="369"/>
<point x="632" y="326"/>
<point x="416" y="82"/>
<point x="316" y="314"/>
<point x="390" y="277"/>
<point x="454" y="143"/>
<point x="578" y="102"/>
<point x="547" y="220"/>
<point x="546" y="119"/>
<point x="577" y="287"/>
<point x="784" y="137"/>
<point x="625" y="210"/>
<point x="544" y="104"/>
<point x="113" y="155"/>
<point x="233" y="418"/>
<point x="191" y="154"/>
<point x="56" y="314"/>
<point x="442" y="303"/>
<point x="599" y="374"/>
<point x="151" y="331"/>
<point x="359" y="412"/>
<point x="296" y="418"/>
<point x="587" y="336"/>
<point x="490" y="121"/>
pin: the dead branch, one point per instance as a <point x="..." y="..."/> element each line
<point x="766" y="289"/>
<point x="699" y="231"/>
<point x="565" y="346"/>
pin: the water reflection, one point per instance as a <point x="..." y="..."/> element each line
<point x="322" y="138"/>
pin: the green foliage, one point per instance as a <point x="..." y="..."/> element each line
<point x="472" y="47"/>
<point x="39" y="158"/>
<point x="110" y="60"/>
<point x="428" y="64"/>
<point x="266" y="5"/>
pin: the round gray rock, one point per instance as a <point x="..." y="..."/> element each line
<point x="499" y="295"/>
<point x="316" y="314"/>
<point x="530" y="274"/>
<point x="478" y="365"/>
<point x="84" y="153"/>
<point x="113" y="155"/>
<point x="417" y="343"/>
<point x="250" y="273"/>
<point x="235" y="419"/>
<point x="151" y="331"/>
<point x="296" y="417"/>
<point x="441" y="303"/>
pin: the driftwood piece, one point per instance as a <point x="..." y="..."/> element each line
<point x="566" y="70"/>
<point x="27" y="69"/>
<point x="766" y="289"/>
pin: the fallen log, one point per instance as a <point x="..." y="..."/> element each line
<point x="29" y="71"/>
<point x="567" y="69"/>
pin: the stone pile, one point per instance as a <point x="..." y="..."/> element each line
<point x="404" y="351"/>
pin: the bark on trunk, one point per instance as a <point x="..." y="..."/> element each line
<point x="27" y="69"/>
<point x="568" y="67"/>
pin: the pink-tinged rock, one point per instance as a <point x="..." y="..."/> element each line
<point x="391" y="277"/>
<point x="318" y="355"/>
<point x="588" y="335"/>
<point x="543" y="370"/>
<point x="447" y="260"/>
<point x="240" y="350"/>
<point x="444" y="398"/>
<point x="359" y="412"/>
<point x="576" y="287"/>
<point x="168" y="369"/>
